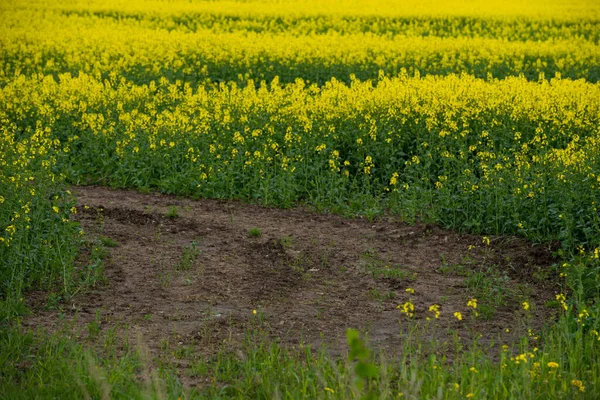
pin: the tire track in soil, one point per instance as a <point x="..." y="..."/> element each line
<point x="310" y="275"/>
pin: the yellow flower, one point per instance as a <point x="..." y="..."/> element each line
<point x="552" y="364"/>
<point x="410" y="290"/>
<point x="486" y="240"/>
<point x="458" y="315"/>
<point x="578" y="384"/>
<point x="330" y="390"/>
<point x="472" y="303"/>
<point x="254" y="312"/>
<point x="55" y="209"/>
<point x="562" y="299"/>
<point x="435" y="309"/>
<point x="470" y="395"/>
<point x="407" y="308"/>
<point x="525" y="305"/>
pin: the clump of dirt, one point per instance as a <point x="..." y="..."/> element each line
<point x="196" y="278"/>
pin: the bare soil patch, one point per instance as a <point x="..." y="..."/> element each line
<point x="196" y="278"/>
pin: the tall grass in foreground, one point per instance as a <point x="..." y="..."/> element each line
<point x="565" y="366"/>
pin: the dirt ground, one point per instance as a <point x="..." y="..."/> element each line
<point x="195" y="278"/>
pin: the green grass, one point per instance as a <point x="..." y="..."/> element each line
<point x="38" y="365"/>
<point x="188" y="258"/>
<point x="491" y="287"/>
<point x="254" y="232"/>
<point x="107" y="241"/>
<point x="173" y="212"/>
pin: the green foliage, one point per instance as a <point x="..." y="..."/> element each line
<point x="365" y="370"/>
<point x="39" y="241"/>
<point x="254" y="232"/>
<point x="173" y="212"/>
<point x="188" y="258"/>
<point x="107" y="241"/>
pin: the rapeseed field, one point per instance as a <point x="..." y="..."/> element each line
<point x="481" y="117"/>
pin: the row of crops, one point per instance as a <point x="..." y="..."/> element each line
<point x="208" y="42"/>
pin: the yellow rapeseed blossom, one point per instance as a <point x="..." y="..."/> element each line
<point x="407" y="308"/>
<point x="435" y="310"/>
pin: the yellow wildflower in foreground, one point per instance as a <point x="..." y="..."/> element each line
<point x="552" y="364"/>
<point x="578" y="384"/>
<point x="525" y="305"/>
<point x="435" y="309"/>
<point x="407" y="308"/>
<point x="410" y="290"/>
<point x="458" y="315"/>
<point x="562" y="299"/>
<point x="473" y="304"/>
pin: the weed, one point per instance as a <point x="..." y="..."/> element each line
<point x="94" y="326"/>
<point x="286" y="242"/>
<point x="187" y="260"/>
<point x="173" y="212"/>
<point x="107" y="241"/>
<point x="165" y="279"/>
<point x="254" y="232"/>
<point x="490" y="287"/>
